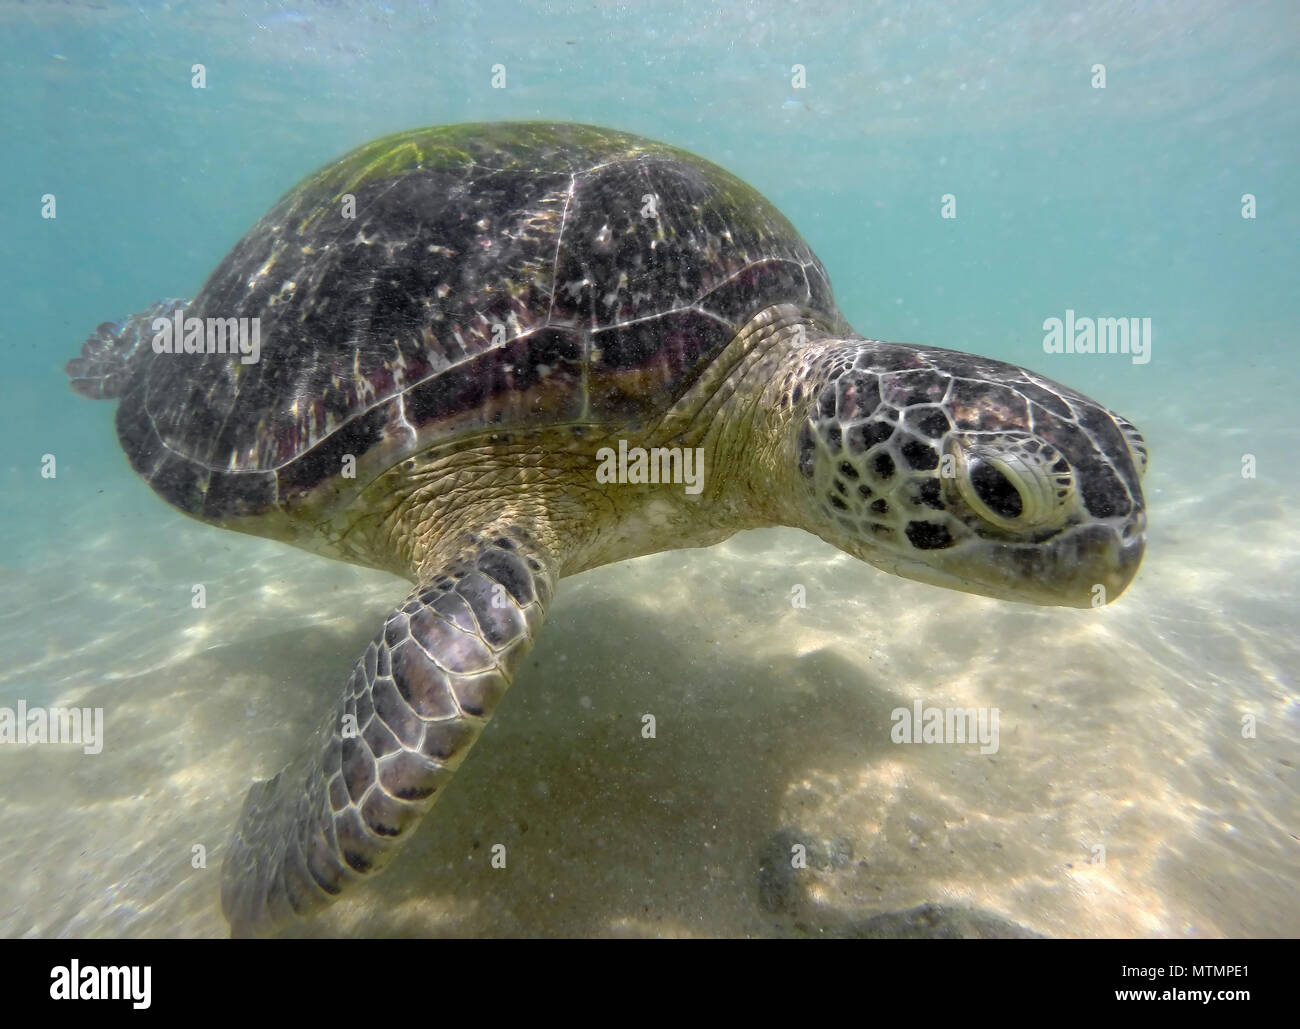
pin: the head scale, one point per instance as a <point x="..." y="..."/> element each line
<point x="971" y="474"/>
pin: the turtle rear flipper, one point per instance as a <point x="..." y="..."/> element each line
<point x="416" y="701"/>
<point x="104" y="367"/>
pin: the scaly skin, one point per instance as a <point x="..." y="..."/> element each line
<point x="416" y="701"/>
<point x="790" y="417"/>
<point x="453" y="322"/>
<point x="470" y="522"/>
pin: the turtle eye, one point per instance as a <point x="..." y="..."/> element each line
<point x="995" y="491"/>
<point x="1013" y="481"/>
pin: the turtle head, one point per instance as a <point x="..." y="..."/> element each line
<point x="969" y="473"/>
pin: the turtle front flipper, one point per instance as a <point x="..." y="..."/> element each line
<point x="416" y="701"/>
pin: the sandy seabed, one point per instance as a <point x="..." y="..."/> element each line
<point x="1121" y="734"/>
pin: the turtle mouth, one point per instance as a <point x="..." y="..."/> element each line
<point x="1125" y="559"/>
<point x="1088" y="568"/>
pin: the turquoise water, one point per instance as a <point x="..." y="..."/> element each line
<point x="1121" y="728"/>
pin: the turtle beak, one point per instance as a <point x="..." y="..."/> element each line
<point x="1126" y="556"/>
<point x="1088" y="568"/>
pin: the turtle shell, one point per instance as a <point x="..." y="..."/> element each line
<point x="455" y="280"/>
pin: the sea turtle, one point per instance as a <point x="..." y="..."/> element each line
<point x="483" y="352"/>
